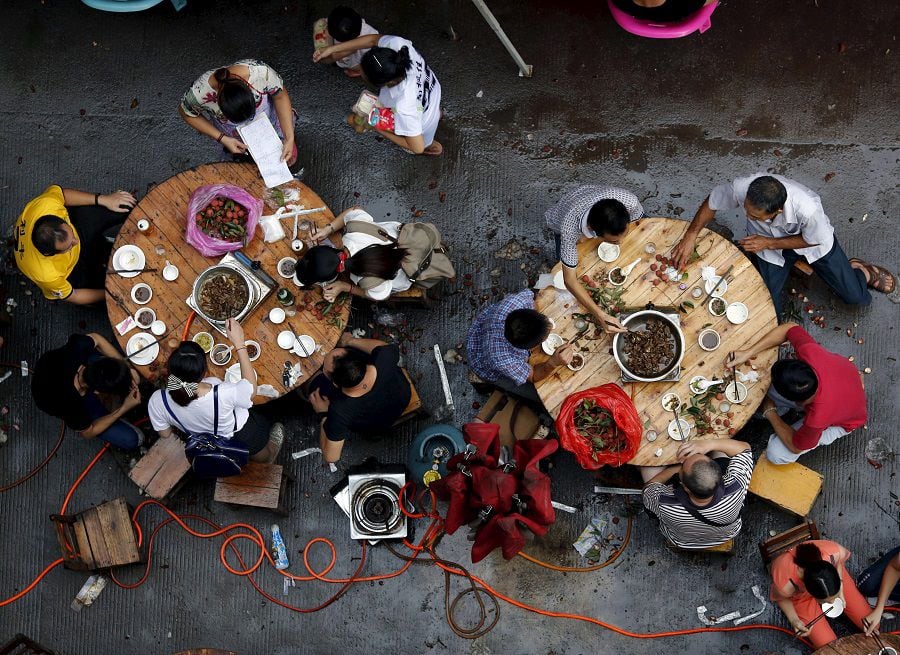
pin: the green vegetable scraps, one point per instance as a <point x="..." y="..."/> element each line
<point x="597" y="426"/>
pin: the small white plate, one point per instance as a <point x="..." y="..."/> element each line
<point x="737" y="312"/>
<point x="282" y="261"/>
<point x="134" y="290"/>
<point x="551" y="343"/>
<point x="741" y="395"/>
<point x="711" y="284"/>
<point x="233" y="373"/>
<point x="665" y="402"/>
<point x="308" y="345"/>
<point x="673" y="432"/>
<point x="138" y="341"/>
<point x="131" y="258"/>
<point x="608" y="252"/>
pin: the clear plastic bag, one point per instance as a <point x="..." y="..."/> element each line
<point x="207" y="245"/>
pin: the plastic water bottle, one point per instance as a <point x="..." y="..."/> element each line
<point x="279" y="552"/>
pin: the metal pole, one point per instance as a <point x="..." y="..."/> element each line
<point x="524" y="69"/>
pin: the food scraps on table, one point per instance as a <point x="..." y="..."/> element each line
<point x="223" y="219"/>
<point x="597" y="425"/>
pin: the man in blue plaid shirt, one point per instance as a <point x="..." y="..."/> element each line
<point x="499" y="343"/>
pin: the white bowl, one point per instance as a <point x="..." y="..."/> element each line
<point x="247" y="343"/>
<point x="717" y="299"/>
<point x="197" y="337"/>
<point x="675" y="434"/>
<point x="551" y="343"/>
<point x="138" y="342"/>
<point x="304" y="346"/>
<point x="693" y="383"/>
<point x="665" y="401"/>
<point x="282" y="261"/>
<point x="709" y="331"/>
<point x="158" y="327"/>
<point x="711" y="284"/>
<point x="277" y="316"/>
<point x="134" y="290"/>
<point x="143" y="312"/>
<point x="286" y="339"/>
<point x="608" y="252"/>
<point x="609" y="276"/>
<point x="737" y="312"/>
<point x="730" y="392"/>
<point x="572" y="366"/>
<point x="219" y="347"/>
<point x="651" y="435"/>
<point x="233" y="373"/>
<point x="170" y="272"/>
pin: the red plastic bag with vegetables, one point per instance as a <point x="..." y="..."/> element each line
<point x="221" y="218"/>
<point x="599" y="426"/>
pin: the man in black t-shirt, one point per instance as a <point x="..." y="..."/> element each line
<point x="362" y="390"/>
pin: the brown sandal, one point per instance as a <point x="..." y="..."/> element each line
<point x="880" y="279"/>
<point x="434" y="149"/>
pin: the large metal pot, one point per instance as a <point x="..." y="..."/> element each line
<point x="211" y="272"/>
<point x="635" y="323"/>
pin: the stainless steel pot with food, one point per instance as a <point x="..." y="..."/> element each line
<point x="220" y="293"/>
<point x="651" y="349"/>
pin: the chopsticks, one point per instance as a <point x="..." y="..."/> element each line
<point x="678" y="423"/>
<point x="298" y="340"/>
<point x="160" y="339"/>
<point x="734" y="377"/>
<point x="875" y="636"/>
<point x="721" y="279"/>
<point x="109" y="271"/>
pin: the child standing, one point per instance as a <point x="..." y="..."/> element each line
<point x="343" y="24"/>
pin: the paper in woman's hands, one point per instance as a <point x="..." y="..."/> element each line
<point x="265" y="146"/>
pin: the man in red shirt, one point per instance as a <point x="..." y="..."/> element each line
<point x="825" y="387"/>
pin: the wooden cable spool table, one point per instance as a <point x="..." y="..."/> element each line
<point x="859" y="644"/>
<point x="744" y="285"/>
<point x="165" y="206"/>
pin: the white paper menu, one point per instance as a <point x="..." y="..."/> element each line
<point x="264" y="144"/>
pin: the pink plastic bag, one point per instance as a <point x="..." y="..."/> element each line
<point x="211" y="246"/>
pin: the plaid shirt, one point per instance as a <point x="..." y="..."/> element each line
<point x="490" y="355"/>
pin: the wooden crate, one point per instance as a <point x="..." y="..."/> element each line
<point x="162" y="469"/>
<point x="22" y="645"/>
<point x="791" y="487"/>
<point x="98" y="538"/>
<point x="780" y="543"/>
<point x="414" y="407"/>
<point x="257" y="485"/>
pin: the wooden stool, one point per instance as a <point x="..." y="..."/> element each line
<point x="22" y="645"/>
<point x="415" y="296"/>
<point x="722" y="549"/>
<point x="162" y="469"/>
<point x="98" y="538"/>
<point x="414" y="407"/>
<point x="257" y="485"/>
<point x="780" y="543"/>
<point x="792" y="487"/>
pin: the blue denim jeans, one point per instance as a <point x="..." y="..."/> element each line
<point x="121" y="434"/>
<point x="869" y="580"/>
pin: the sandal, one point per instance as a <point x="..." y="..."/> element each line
<point x="880" y="279"/>
<point x="433" y="150"/>
<point x="349" y="72"/>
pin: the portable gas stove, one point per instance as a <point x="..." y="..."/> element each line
<point x="669" y="312"/>
<point x="259" y="284"/>
<point x="370" y="497"/>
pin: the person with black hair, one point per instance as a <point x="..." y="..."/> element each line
<point x="590" y="212"/>
<point x="786" y="221"/>
<point x="826" y="388"/>
<point x="500" y="340"/>
<point x="407" y="86"/>
<point x="661" y="11"/>
<point x="91" y="387"/>
<point x="361" y="391"/>
<point x="703" y="509"/>
<point x="808" y="575"/>
<point x="222" y="99"/>
<point x="879" y="581"/>
<point x="193" y="395"/>
<point x="63" y="240"/>
<point x="343" y="24"/>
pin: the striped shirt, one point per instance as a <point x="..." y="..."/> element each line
<point x="682" y="529"/>
<point x="568" y="217"/>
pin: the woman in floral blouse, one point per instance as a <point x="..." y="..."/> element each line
<point x="222" y="99"/>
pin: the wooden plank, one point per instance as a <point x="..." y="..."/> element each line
<point x="161" y="468"/>
<point x="118" y="531"/>
<point x="166" y="207"/>
<point x="83" y="544"/>
<point x="94" y="531"/>
<point x="600" y="367"/>
<point x="415" y="403"/>
<point x="258" y="485"/>
<point x="791" y="487"/>
<point x="256" y="474"/>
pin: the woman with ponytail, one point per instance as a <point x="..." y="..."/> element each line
<point x="222" y="99"/>
<point x="190" y="402"/>
<point x="408" y="87"/>
<point x="808" y="575"/>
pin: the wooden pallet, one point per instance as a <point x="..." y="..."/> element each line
<point x="257" y="485"/>
<point x="791" y="487"/>
<point x="780" y="543"/>
<point x="98" y="538"/>
<point x="161" y="471"/>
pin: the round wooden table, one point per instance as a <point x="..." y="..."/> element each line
<point x="858" y="644"/>
<point x="744" y="285"/>
<point x="165" y="206"/>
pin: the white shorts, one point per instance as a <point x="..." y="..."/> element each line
<point x="778" y="453"/>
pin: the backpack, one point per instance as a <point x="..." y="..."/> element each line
<point x="210" y="455"/>
<point x="426" y="262"/>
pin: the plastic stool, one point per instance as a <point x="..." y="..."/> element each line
<point x="699" y="22"/>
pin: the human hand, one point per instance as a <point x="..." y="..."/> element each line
<point x="118" y="201"/>
<point x="287" y="151"/>
<point x="700" y="447"/>
<point x="872" y="622"/>
<point x="331" y="291"/>
<point x="683" y="251"/>
<point x="345" y="340"/>
<point x="319" y="402"/>
<point x="234" y="146"/>
<point x="612" y="325"/>
<point x="562" y="355"/>
<point x="737" y="358"/>
<point x="324" y="53"/>
<point x="132" y="400"/>
<point x="755" y="243"/>
<point x="800" y="628"/>
<point x="235" y="332"/>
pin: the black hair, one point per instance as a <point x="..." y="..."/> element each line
<point x="794" y="379"/>
<point x="378" y="260"/>
<point x="383" y="65"/>
<point x="188" y="363"/>
<point x="319" y="265"/>
<point x="344" y="24"/>
<point x="349" y="368"/>
<point x="110" y="378"/>
<point x="526" y="328"/>
<point x="820" y="577"/>
<point x="608" y="216"/>
<point x="234" y="96"/>
<point x="702" y="478"/>
<point x="767" y="193"/>
<point x="47" y="233"/>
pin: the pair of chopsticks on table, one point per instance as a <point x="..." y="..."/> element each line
<point x="156" y="341"/>
<point x="110" y="271"/>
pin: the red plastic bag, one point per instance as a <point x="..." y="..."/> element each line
<point x="612" y="398"/>
<point x="210" y="246"/>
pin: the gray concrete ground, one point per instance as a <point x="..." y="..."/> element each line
<point x="808" y="89"/>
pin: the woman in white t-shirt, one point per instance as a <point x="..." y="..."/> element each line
<point x="191" y="400"/>
<point x="408" y="87"/>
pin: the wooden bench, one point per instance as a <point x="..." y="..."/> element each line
<point x="414" y="408"/>
<point x="257" y="485"/>
<point x="22" y="645"/>
<point x="791" y="487"/>
<point x="415" y="296"/>
<point x="161" y="471"/>
<point x="780" y="543"/>
<point x="98" y="538"/>
<point x="722" y="549"/>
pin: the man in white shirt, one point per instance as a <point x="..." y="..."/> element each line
<point x="785" y="221"/>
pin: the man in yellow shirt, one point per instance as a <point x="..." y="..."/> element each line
<point x="66" y="254"/>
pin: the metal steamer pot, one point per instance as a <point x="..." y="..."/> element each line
<point x="212" y="272"/>
<point x="634" y="323"/>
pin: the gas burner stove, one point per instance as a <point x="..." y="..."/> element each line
<point x="259" y="283"/>
<point x="673" y="314"/>
<point x="375" y="506"/>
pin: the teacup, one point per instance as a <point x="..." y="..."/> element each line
<point x="158" y="328"/>
<point x="277" y="316"/>
<point x="170" y="272"/>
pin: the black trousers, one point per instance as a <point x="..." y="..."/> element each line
<point x="97" y="229"/>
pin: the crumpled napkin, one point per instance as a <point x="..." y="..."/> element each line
<point x="750" y="376"/>
<point x="547" y="280"/>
